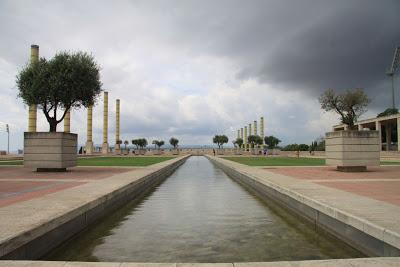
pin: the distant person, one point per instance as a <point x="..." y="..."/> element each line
<point x="214" y="151"/>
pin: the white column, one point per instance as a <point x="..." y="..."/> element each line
<point x="378" y="128"/>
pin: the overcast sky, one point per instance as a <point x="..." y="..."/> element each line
<point x="191" y="69"/>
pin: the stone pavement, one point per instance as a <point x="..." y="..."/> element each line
<point x="20" y="184"/>
<point x="33" y="204"/>
<point x="364" y="262"/>
<point x="368" y="202"/>
<point x="380" y="183"/>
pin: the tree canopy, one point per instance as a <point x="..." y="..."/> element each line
<point x="158" y="143"/>
<point x="220" y="140"/>
<point x="271" y="141"/>
<point x="388" y="111"/>
<point x="68" y="80"/>
<point x="238" y="142"/>
<point x="350" y="105"/>
<point x="141" y="142"/>
<point x="174" y="142"/>
<point x="254" y="140"/>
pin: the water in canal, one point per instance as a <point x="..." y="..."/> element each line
<point x="199" y="214"/>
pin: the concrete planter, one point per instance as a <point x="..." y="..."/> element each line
<point x="220" y="151"/>
<point x="50" y="151"/>
<point x="175" y="152"/>
<point x="237" y="151"/>
<point x="352" y="150"/>
<point x="157" y="152"/>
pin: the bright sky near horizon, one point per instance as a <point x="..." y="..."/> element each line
<point x="191" y="69"/>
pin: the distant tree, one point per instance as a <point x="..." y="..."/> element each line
<point x="135" y="142"/>
<point x="69" y="80"/>
<point x="271" y="141"/>
<point x="126" y="142"/>
<point x="159" y="143"/>
<point x="142" y="142"/>
<point x="296" y="147"/>
<point x="350" y="105"/>
<point x="174" y="142"/>
<point x="239" y="142"/>
<point x="119" y="142"/>
<point x="388" y="112"/>
<point x="220" y="140"/>
<point x="254" y="140"/>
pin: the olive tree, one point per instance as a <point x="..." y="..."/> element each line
<point x="220" y="140"/>
<point x="68" y="80"/>
<point x="254" y="140"/>
<point x="271" y="141"/>
<point x="350" y="105"/>
<point x="174" y="142"/>
<point x="239" y="142"/>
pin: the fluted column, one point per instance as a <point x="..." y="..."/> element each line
<point x="245" y="137"/>
<point x="255" y="128"/>
<point x="117" y="127"/>
<point x="262" y="129"/>
<point x="32" y="115"/>
<point x="241" y="136"/>
<point x="105" y="124"/>
<point x="238" y="134"/>
<point x="67" y="122"/>
<point x="89" y="131"/>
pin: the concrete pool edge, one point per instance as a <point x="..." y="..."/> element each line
<point x="365" y="236"/>
<point x="35" y="237"/>
<point x="360" y="262"/>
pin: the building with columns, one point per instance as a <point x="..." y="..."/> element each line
<point x="388" y="126"/>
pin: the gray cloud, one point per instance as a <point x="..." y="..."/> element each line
<point x="194" y="68"/>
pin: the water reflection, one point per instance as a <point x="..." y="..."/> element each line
<point x="200" y="215"/>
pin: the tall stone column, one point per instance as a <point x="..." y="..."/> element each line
<point x="241" y="136"/>
<point x="249" y="129"/>
<point x="117" y="127"/>
<point x="398" y="134"/>
<point x="32" y="115"/>
<point x="238" y="134"/>
<point x="379" y="129"/>
<point x="245" y="137"/>
<point x="89" y="131"/>
<point x="255" y="128"/>
<point x="67" y="122"/>
<point x="262" y="129"/>
<point x="388" y="130"/>
<point x="104" y="148"/>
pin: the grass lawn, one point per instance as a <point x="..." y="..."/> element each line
<point x="108" y="161"/>
<point x="277" y="161"/>
<point x="11" y="162"/>
<point x="390" y="162"/>
<point x="121" y="161"/>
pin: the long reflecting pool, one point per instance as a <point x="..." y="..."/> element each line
<point x="199" y="214"/>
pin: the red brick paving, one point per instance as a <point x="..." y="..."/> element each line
<point x="15" y="191"/>
<point x="28" y="190"/>
<point x="319" y="173"/>
<point x="388" y="191"/>
<point x="16" y="172"/>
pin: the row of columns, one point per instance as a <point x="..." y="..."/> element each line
<point x="32" y="117"/>
<point x="246" y="131"/>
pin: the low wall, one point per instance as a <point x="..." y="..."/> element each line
<point x="38" y="241"/>
<point x="360" y="240"/>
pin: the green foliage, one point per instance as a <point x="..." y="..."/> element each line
<point x="139" y="143"/>
<point x="317" y="145"/>
<point x="119" y="142"/>
<point x="220" y="140"/>
<point x="254" y="140"/>
<point x="238" y="142"/>
<point x="350" y="105"/>
<point x="158" y="143"/>
<point x="173" y="142"/>
<point x="388" y="111"/>
<point x="271" y="141"/>
<point x="69" y="80"/>
<point x="296" y="147"/>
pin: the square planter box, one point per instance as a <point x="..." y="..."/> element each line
<point x="50" y="151"/>
<point x="352" y="150"/>
<point x="175" y="152"/>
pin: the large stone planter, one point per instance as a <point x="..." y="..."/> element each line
<point x="175" y="152"/>
<point x="352" y="150"/>
<point x="50" y="151"/>
<point x="220" y="151"/>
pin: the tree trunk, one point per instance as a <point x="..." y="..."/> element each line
<point x="53" y="125"/>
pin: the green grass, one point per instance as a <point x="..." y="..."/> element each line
<point x="390" y="162"/>
<point x="121" y="161"/>
<point x="107" y="161"/>
<point x="277" y="161"/>
<point x="11" y="162"/>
